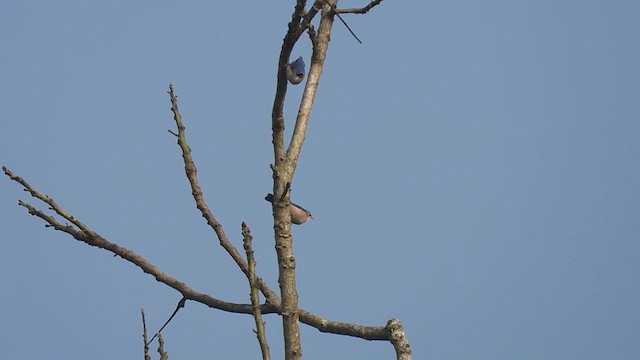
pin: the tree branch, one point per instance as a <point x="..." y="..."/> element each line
<point x="163" y="354"/>
<point x="362" y="10"/>
<point x="306" y="317"/>
<point x="283" y="171"/>
<point x="285" y="163"/>
<point x="399" y="339"/>
<point x="144" y="337"/>
<point x="343" y="22"/>
<point x="255" y="296"/>
<point x="191" y="172"/>
<point x="318" y="58"/>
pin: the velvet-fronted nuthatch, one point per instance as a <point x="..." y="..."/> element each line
<point x="299" y="215"/>
<point x="295" y="71"/>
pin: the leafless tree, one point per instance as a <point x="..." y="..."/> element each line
<point x="284" y="166"/>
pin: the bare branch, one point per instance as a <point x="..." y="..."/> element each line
<point x="343" y="22"/>
<point x="163" y="354"/>
<point x="399" y="339"/>
<point x="144" y="337"/>
<point x="285" y="163"/>
<point x="362" y="10"/>
<point x="306" y="20"/>
<point x="255" y="295"/>
<point x="323" y="325"/>
<point x="318" y="58"/>
<point x="46" y="199"/>
<point x="91" y="238"/>
<point x="311" y="31"/>
<point x="191" y="172"/>
<point x="370" y="333"/>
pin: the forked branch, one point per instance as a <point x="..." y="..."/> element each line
<point x="323" y="325"/>
<point x="285" y="163"/>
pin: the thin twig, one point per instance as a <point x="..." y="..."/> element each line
<point x="178" y="307"/>
<point x="144" y="337"/>
<point x="255" y="293"/>
<point x="362" y="10"/>
<point x="163" y="354"/>
<point x="46" y="199"/>
<point x="344" y="22"/>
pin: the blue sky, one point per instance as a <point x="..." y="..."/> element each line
<point x="472" y="167"/>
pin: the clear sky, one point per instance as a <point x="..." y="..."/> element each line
<point x="473" y="169"/>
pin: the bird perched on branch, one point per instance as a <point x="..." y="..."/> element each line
<point x="299" y="215"/>
<point x="295" y="71"/>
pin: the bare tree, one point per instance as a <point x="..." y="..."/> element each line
<point x="284" y="166"/>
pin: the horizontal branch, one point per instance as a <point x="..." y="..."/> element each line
<point x="93" y="239"/>
<point x="362" y="10"/>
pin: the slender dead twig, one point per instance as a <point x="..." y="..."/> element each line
<point x="161" y="351"/>
<point x="144" y="337"/>
<point x="362" y="10"/>
<point x="178" y="307"/>
<point x="343" y="22"/>
<point x="255" y="293"/>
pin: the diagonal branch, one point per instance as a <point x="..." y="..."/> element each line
<point x="94" y="239"/>
<point x="297" y="25"/>
<point x="343" y="22"/>
<point x="46" y="199"/>
<point x="273" y="301"/>
<point x="191" y="172"/>
<point x="180" y="305"/>
<point x="323" y="325"/>
<point x="318" y="57"/>
<point x="306" y="20"/>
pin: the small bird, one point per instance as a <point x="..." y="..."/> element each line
<point x="299" y="215"/>
<point x="295" y="71"/>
